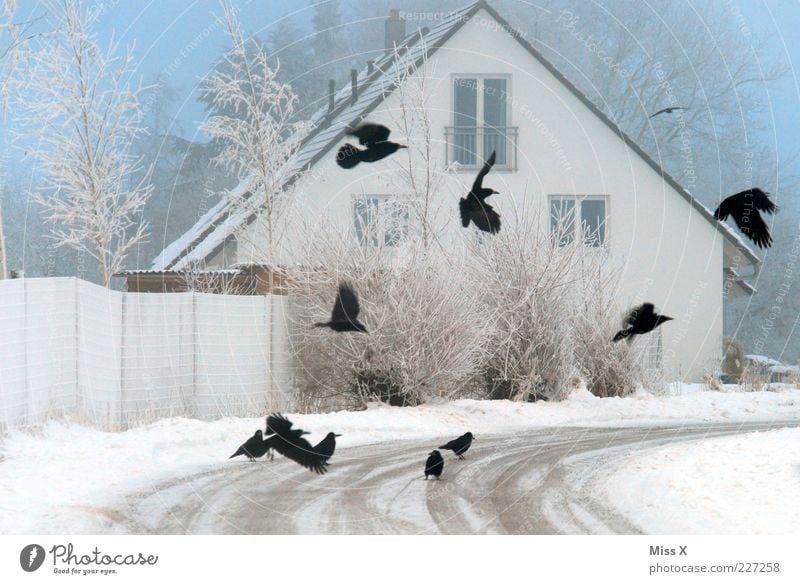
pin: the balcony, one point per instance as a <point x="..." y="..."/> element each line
<point x="471" y="146"/>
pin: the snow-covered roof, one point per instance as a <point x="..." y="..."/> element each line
<point x="374" y="84"/>
<point x="762" y="360"/>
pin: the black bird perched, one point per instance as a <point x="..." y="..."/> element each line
<point x="376" y="139"/>
<point x="434" y="465"/>
<point x="344" y="317"/>
<point x="639" y="321"/>
<point x="460" y="445"/>
<point x="668" y="110"/>
<point x="255" y="446"/>
<point x="474" y="206"/>
<point x="744" y="207"/>
<point x="291" y="444"/>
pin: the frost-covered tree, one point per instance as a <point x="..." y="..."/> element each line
<point x="259" y="137"/>
<point x="82" y="110"/>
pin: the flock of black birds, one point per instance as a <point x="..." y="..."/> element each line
<point x="744" y="207"/>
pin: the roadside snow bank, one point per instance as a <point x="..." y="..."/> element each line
<point x="67" y="478"/>
<point x="744" y="484"/>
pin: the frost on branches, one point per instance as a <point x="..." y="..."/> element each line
<point x="255" y="127"/>
<point x="83" y="111"/>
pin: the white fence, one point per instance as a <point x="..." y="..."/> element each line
<point x="116" y="359"/>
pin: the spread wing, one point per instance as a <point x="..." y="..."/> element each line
<point x="487" y="219"/>
<point x="370" y="134"/>
<point x="301" y="452"/>
<point x="637" y="312"/>
<point x="759" y="199"/>
<point x="753" y="226"/>
<point x="478" y="184"/>
<point x="346" y="307"/>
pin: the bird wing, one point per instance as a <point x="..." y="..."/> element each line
<point x="761" y="200"/>
<point x="637" y="313"/>
<point x="301" y="452"/>
<point x="478" y="184"/>
<point x="346" y="307"/>
<point x="661" y="111"/>
<point x="725" y="208"/>
<point x="370" y="134"/>
<point x="278" y="424"/>
<point x="487" y="219"/>
<point x="753" y="226"/>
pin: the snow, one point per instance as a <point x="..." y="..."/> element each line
<point x="744" y="484"/>
<point x="68" y="478"/>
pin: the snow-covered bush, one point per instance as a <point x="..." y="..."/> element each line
<point x="425" y="340"/>
<point x="526" y="285"/>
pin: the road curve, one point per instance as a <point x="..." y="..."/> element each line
<point x="538" y="482"/>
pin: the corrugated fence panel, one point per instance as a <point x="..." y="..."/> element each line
<point x="231" y="355"/>
<point x="52" y="353"/>
<point x="13" y="370"/>
<point x="117" y="359"/>
<point x="157" y="356"/>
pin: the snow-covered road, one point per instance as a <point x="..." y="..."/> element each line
<point x="540" y="482"/>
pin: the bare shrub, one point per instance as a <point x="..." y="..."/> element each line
<point x="425" y="339"/>
<point x="733" y="361"/>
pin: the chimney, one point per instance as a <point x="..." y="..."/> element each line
<point x="354" y="83"/>
<point x="370" y="66"/>
<point x="331" y="94"/>
<point x="395" y="30"/>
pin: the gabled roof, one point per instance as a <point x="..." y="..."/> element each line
<point x="375" y="84"/>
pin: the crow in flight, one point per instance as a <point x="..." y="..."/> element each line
<point x="376" y="139"/>
<point x="460" y="445"/>
<point x="345" y="312"/>
<point x="434" y="465"/>
<point x="474" y="206"/>
<point x="744" y="207"/>
<point x="668" y="110"/>
<point x="255" y="446"/>
<point x="291" y="444"/>
<point x="639" y="321"/>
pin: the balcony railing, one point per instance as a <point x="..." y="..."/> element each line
<point x="471" y="146"/>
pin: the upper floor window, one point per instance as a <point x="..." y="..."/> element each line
<point x="481" y="122"/>
<point x="578" y="218"/>
<point x="380" y="220"/>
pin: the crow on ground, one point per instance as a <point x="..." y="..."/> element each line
<point x="376" y="139"/>
<point x="434" y="465"/>
<point x="291" y="444"/>
<point x="639" y="321"/>
<point x="460" y="445"/>
<point x="744" y="207"/>
<point x="326" y="446"/>
<point x="345" y="312"/>
<point x="668" y="110"/>
<point x="474" y="207"/>
<point x="255" y="446"/>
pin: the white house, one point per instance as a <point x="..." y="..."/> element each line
<point x="489" y="89"/>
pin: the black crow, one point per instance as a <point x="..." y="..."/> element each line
<point x="434" y="465"/>
<point x="326" y="446"/>
<point x="639" y="321"/>
<point x="255" y="447"/>
<point x="460" y="445"/>
<point x="345" y="312"/>
<point x="293" y="446"/>
<point x="376" y="139"/>
<point x="744" y="207"/>
<point x="668" y="110"/>
<point x="474" y="206"/>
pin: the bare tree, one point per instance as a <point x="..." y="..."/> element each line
<point x="83" y="111"/>
<point x="254" y="127"/>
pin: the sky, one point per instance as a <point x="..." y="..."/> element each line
<point x="178" y="39"/>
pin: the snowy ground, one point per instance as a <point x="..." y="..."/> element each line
<point x="66" y="478"/>
<point x="746" y="484"/>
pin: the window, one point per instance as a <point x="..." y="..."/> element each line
<point x="380" y="220"/>
<point x="480" y="122"/>
<point x="565" y="227"/>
